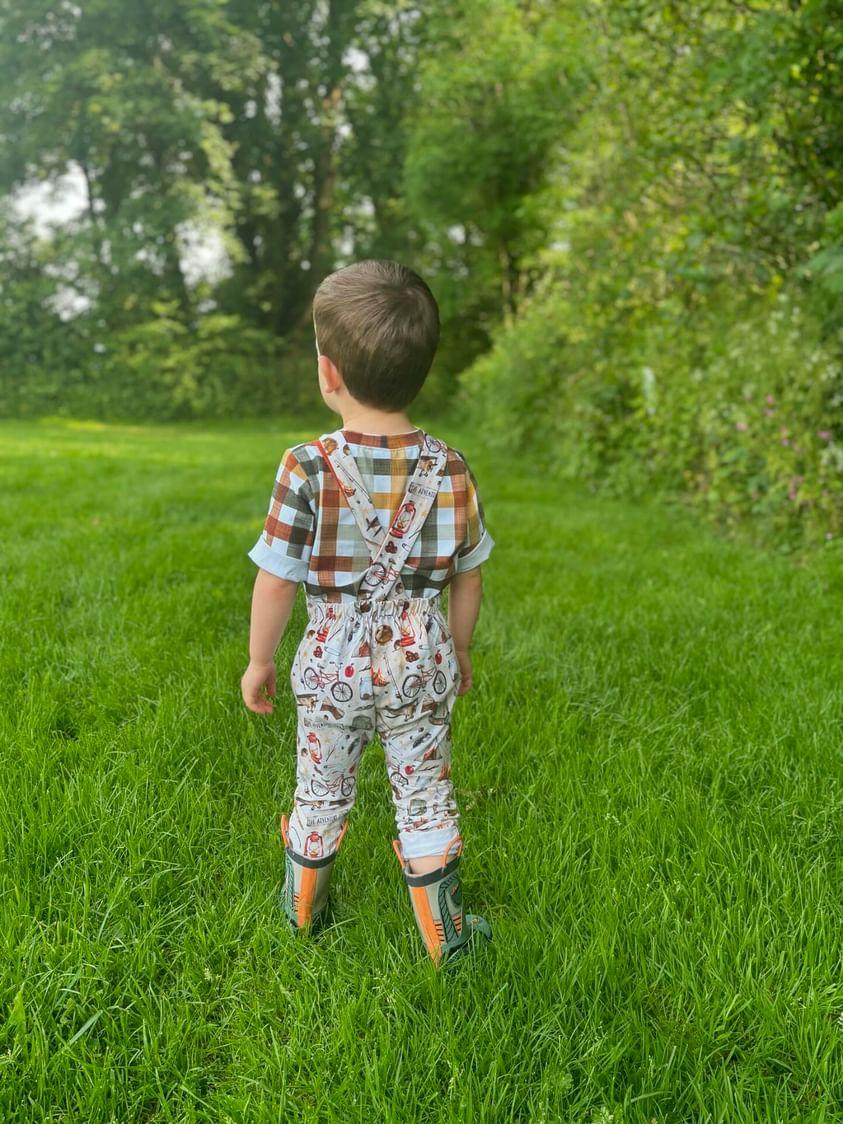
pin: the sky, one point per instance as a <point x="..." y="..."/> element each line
<point x="59" y="202"/>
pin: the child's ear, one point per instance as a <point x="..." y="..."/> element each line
<point x="329" y="375"/>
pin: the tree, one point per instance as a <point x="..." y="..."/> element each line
<point x="494" y="102"/>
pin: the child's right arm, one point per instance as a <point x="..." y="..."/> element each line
<point x="272" y="603"/>
<point x="282" y="554"/>
<point x="464" y="595"/>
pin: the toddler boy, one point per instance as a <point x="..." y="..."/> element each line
<point x="375" y="519"/>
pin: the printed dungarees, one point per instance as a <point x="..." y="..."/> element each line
<point x="384" y="664"/>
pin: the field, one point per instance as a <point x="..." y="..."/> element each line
<point x="649" y="769"/>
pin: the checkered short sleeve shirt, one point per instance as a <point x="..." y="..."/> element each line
<point x="310" y="535"/>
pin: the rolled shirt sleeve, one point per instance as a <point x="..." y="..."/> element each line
<point x="287" y="538"/>
<point x="478" y="543"/>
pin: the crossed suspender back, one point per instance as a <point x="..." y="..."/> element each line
<point x="390" y="547"/>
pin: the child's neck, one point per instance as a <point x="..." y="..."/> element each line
<point x="363" y="419"/>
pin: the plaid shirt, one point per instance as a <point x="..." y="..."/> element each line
<point x="310" y="534"/>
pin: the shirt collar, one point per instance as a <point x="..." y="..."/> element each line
<point x="384" y="440"/>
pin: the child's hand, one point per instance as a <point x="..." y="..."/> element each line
<point x="465" y="673"/>
<point x="256" y="677"/>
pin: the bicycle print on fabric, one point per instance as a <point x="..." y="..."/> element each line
<point x="384" y="665"/>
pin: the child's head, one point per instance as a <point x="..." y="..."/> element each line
<point x="378" y="324"/>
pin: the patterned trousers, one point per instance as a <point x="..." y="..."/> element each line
<point x="375" y="667"/>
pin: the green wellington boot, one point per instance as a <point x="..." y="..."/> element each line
<point x="305" y="894"/>
<point x="446" y="929"/>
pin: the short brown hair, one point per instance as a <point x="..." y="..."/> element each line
<point x="379" y="323"/>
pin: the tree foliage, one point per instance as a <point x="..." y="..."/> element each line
<point x="603" y="197"/>
<point x="687" y="330"/>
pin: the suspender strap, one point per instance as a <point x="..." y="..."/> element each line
<point x="388" y="549"/>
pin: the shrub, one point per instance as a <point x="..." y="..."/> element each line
<point x="739" y="406"/>
<point x="161" y="369"/>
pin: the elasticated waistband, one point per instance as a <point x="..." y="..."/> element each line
<point x="390" y="607"/>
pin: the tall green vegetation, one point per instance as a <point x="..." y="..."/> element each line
<point x="686" y="331"/>
<point x="495" y="99"/>
<point x="631" y="215"/>
<point x="276" y="126"/>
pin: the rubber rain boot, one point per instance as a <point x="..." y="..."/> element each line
<point x="446" y="929"/>
<point x="306" y="881"/>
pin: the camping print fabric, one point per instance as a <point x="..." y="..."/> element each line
<point x="388" y="548"/>
<point x="393" y="672"/>
<point x="383" y="665"/>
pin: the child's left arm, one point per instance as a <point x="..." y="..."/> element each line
<point x="272" y="603"/>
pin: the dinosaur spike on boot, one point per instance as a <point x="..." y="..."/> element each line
<point x="305" y="895"/>
<point x="446" y="929"/>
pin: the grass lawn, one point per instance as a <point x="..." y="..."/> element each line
<point x="649" y="769"/>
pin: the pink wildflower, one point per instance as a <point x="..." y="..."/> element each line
<point x="824" y="435"/>
<point x="741" y="426"/>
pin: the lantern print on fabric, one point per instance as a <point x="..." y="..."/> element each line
<point x="384" y="665"/>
